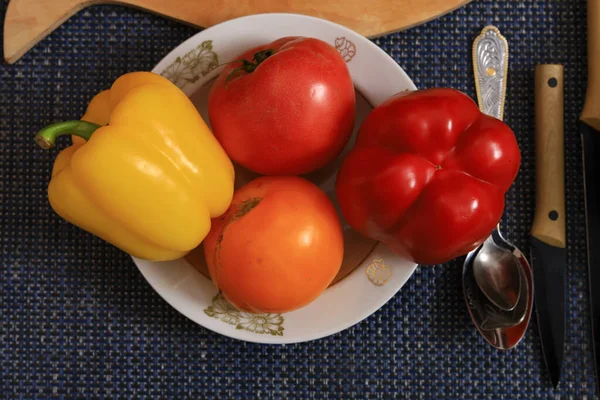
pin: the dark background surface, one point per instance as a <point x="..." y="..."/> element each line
<point x="77" y="320"/>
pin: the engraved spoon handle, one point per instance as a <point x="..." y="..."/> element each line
<point x="490" y="66"/>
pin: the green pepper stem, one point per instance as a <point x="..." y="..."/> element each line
<point x="46" y="138"/>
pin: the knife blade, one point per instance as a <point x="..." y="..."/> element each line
<point x="589" y="128"/>
<point x="548" y="238"/>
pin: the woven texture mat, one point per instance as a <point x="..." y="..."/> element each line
<point x="77" y="320"/>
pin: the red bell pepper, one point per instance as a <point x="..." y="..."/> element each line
<point x="428" y="174"/>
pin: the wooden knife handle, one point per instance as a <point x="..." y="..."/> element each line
<point x="591" y="109"/>
<point x="549" y="220"/>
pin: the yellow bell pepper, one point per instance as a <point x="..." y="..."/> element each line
<point x="144" y="172"/>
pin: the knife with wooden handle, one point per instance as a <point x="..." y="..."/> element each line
<point x="589" y="129"/>
<point x="548" y="238"/>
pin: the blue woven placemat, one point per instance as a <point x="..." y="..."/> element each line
<point x="77" y="320"/>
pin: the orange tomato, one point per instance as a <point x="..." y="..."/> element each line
<point x="277" y="248"/>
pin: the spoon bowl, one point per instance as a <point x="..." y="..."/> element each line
<point x="489" y="315"/>
<point x="500" y="328"/>
<point x="497" y="272"/>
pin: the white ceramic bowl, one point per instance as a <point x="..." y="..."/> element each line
<point x="378" y="277"/>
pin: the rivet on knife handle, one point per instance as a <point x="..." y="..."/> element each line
<point x="591" y="110"/>
<point x="490" y="64"/>
<point x="549" y="220"/>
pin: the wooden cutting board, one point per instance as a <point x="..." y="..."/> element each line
<point x="29" y="21"/>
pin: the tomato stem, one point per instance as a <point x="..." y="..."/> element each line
<point x="250" y="66"/>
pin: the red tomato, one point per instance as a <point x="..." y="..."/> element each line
<point x="287" y="109"/>
<point x="277" y="248"/>
<point x="428" y="175"/>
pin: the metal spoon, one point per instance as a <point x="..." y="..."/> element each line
<point x="495" y="269"/>
<point x="497" y="273"/>
<point x="487" y="314"/>
<point x="503" y="329"/>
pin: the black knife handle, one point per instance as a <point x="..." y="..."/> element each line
<point x="549" y="221"/>
<point x="591" y="110"/>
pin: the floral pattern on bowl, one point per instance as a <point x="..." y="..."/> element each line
<point x="346" y="48"/>
<point x="194" y="64"/>
<point x="265" y="323"/>
<point x="378" y="273"/>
